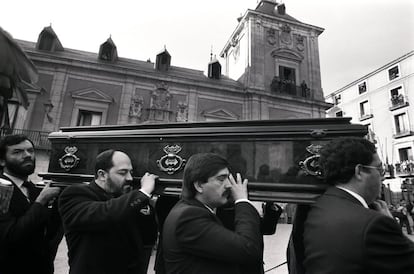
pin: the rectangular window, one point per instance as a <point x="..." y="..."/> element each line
<point x="337" y="99"/>
<point x="406" y="154"/>
<point x="395" y="92"/>
<point x="287" y="75"/>
<point x="401" y="123"/>
<point x="89" y="118"/>
<point x="397" y="97"/>
<point x="363" y="109"/>
<point x="339" y="114"/>
<point x="362" y="87"/>
<point x="393" y="73"/>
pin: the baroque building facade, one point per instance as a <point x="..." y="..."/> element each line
<point x="383" y="100"/>
<point x="272" y="71"/>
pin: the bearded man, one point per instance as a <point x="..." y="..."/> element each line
<point x="102" y="220"/>
<point x="30" y="228"/>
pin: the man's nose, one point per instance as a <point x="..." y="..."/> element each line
<point x="227" y="183"/>
<point x="27" y="154"/>
<point x="129" y="177"/>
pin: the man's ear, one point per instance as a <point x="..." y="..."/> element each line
<point x="198" y="187"/>
<point x="358" y="172"/>
<point x="101" y="174"/>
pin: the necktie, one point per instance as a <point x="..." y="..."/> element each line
<point x="31" y="190"/>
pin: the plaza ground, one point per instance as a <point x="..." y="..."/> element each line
<point x="274" y="252"/>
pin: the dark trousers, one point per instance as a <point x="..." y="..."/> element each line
<point x="404" y="221"/>
<point x="147" y="255"/>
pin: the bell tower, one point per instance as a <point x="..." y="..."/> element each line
<point x="273" y="53"/>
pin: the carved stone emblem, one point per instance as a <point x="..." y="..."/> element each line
<point x="286" y="35"/>
<point x="135" y="108"/>
<point x="310" y="165"/>
<point x="160" y="104"/>
<point x="171" y="162"/>
<point x="69" y="160"/>
<point x="271" y="37"/>
<point x="300" y="42"/>
<point x="182" y="113"/>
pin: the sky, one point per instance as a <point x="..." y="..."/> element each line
<point x="360" y="35"/>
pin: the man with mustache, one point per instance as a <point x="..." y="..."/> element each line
<point x="30" y="229"/>
<point x="194" y="239"/>
<point x="102" y="220"/>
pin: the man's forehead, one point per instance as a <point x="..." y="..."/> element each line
<point x="223" y="172"/>
<point x="121" y="161"/>
<point x="22" y="145"/>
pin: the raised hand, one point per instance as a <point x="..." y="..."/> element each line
<point x="238" y="187"/>
<point x="47" y="194"/>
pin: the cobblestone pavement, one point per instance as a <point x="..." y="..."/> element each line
<point x="274" y="252"/>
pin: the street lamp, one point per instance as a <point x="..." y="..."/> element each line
<point x="48" y="108"/>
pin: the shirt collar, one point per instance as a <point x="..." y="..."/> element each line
<point x="16" y="180"/>
<point x="210" y="209"/>
<point x="355" y="195"/>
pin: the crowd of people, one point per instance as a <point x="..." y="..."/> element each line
<point x="111" y="227"/>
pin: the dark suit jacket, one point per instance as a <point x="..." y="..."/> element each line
<point x="103" y="233"/>
<point x="195" y="241"/>
<point x="29" y="235"/>
<point x="341" y="236"/>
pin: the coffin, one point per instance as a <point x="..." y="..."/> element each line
<point x="278" y="157"/>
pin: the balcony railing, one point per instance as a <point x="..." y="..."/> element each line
<point x="39" y="138"/>
<point x="398" y="101"/>
<point x="404" y="168"/>
<point x="402" y="133"/>
<point x="288" y="87"/>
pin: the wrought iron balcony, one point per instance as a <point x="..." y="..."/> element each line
<point x="404" y="168"/>
<point x="39" y="138"/>
<point x="398" y="101"/>
<point x="288" y="87"/>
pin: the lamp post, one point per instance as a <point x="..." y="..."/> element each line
<point x="48" y="108"/>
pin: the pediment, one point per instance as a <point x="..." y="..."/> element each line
<point x="92" y="94"/>
<point x="220" y="113"/>
<point x="287" y="54"/>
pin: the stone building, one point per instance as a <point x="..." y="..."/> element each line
<point x="271" y="71"/>
<point x="383" y="100"/>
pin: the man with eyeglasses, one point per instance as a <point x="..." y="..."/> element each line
<point x="348" y="229"/>
<point x="194" y="239"/>
<point x="102" y="221"/>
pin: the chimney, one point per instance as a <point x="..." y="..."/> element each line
<point x="281" y="9"/>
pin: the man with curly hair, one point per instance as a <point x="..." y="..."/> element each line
<point x="348" y="229"/>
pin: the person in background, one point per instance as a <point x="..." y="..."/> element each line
<point x="348" y="230"/>
<point x="102" y="221"/>
<point x="30" y="226"/>
<point x="194" y="239"/>
<point x="404" y="215"/>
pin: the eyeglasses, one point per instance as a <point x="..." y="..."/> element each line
<point x="380" y="169"/>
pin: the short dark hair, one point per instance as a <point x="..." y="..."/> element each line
<point x="339" y="157"/>
<point x="199" y="168"/>
<point x="104" y="161"/>
<point x="10" y="140"/>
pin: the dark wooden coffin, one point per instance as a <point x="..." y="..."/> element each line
<point x="279" y="157"/>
